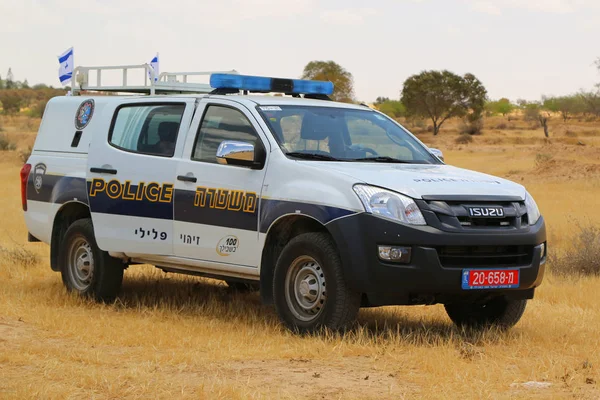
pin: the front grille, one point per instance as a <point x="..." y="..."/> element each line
<point x="485" y="256"/>
<point x="454" y="215"/>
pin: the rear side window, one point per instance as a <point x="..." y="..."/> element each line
<point x="219" y="124"/>
<point x="147" y="129"/>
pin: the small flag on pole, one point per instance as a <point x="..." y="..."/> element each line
<point x="65" y="71"/>
<point x="154" y="65"/>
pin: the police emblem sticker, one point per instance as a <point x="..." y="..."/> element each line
<point x="38" y="176"/>
<point x="84" y="114"/>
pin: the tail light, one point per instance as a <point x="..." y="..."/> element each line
<point x="24" y="177"/>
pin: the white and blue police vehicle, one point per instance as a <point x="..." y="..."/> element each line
<point x="325" y="207"/>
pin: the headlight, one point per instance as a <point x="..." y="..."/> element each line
<point x="388" y="204"/>
<point x="533" y="212"/>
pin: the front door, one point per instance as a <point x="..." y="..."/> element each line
<point x="216" y="206"/>
<point x="130" y="176"/>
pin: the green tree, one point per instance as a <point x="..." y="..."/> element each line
<point x="381" y="99"/>
<point x="10" y="83"/>
<point x="1" y="83"/>
<point x="392" y="108"/>
<point x="11" y="101"/>
<point x="440" y="95"/>
<point x="591" y="101"/>
<point x="331" y="71"/>
<point x="504" y="106"/>
<point x="537" y="112"/>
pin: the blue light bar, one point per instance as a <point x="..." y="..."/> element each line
<point x="265" y="84"/>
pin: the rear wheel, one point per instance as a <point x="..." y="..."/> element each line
<point x="309" y="289"/>
<point x="85" y="268"/>
<point x="498" y="312"/>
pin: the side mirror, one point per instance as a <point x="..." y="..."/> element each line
<point x="233" y="152"/>
<point x="438" y="153"/>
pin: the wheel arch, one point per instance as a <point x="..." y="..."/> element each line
<point x="280" y="232"/>
<point x="68" y="213"/>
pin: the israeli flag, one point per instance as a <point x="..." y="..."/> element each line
<point x="154" y="65"/>
<point x="65" y="71"/>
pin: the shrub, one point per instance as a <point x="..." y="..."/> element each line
<point x="570" y="133"/>
<point x="502" y="125"/>
<point x="463" y="138"/>
<point x="25" y="154"/>
<point x="19" y="255"/>
<point x="37" y="110"/>
<point x="542" y="159"/>
<point x="6" y="145"/>
<point x="583" y="256"/>
<point x="471" y="128"/>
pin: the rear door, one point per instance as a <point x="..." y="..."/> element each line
<point x="130" y="175"/>
<point x="217" y="206"/>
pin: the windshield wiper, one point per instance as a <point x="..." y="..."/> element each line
<point x="383" y="159"/>
<point x="312" y="156"/>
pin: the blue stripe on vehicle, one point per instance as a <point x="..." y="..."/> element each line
<point x="102" y="203"/>
<point x="56" y="188"/>
<point x="272" y="209"/>
<point x="186" y="211"/>
<point x="61" y="189"/>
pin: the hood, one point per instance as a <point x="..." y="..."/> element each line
<point x="417" y="180"/>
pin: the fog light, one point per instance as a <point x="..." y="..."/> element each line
<point x="395" y="254"/>
<point x="542" y="250"/>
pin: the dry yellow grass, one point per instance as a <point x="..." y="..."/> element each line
<point x="170" y="336"/>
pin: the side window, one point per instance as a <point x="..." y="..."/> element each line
<point x="219" y="124"/>
<point x="147" y="129"/>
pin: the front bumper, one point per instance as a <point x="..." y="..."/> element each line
<point x="425" y="280"/>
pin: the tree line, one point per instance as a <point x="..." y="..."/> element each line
<point x="17" y="95"/>
<point x="442" y="95"/>
<point x="434" y="95"/>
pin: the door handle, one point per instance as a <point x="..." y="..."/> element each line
<point x="187" y="178"/>
<point x="103" y="171"/>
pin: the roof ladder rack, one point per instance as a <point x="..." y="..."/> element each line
<point x="165" y="83"/>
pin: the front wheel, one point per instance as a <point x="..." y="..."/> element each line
<point x="498" y="312"/>
<point x="85" y="268"/>
<point x="309" y="289"/>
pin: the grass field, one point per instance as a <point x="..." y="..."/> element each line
<point x="171" y="336"/>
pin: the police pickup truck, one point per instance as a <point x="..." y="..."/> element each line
<point x="326" y="207"/>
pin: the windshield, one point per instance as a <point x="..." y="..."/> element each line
<point x="326" y="133"/>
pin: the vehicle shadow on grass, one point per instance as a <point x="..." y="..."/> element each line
<point x="196" y="297"/>
<point x="193" y="297"/>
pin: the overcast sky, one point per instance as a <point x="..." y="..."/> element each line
<point x="517" y="48"/>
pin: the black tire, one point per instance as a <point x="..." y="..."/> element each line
<point x="79" y="254"/>
<point x="498" y="312"/>
<point x="334" y="307"/>
<point x="243" y="287"/>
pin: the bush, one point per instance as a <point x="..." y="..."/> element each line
<point x="502" y="125"/>
<point x="570" y="133"/>
<point x="37" y="110"/>
<point x="19" y="255"/>
<point x="583" y="256"/>
<point x="6" y="145"/>
<point x="542" y="159"/>
<point x="471" y="128"/>
<point x="463" y="138"/>
<point x="25" y="154"/>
